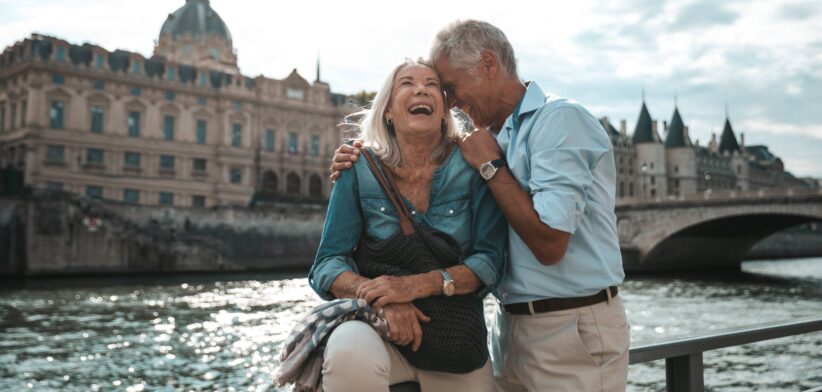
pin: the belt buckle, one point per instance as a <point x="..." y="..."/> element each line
<point x="531" y="308"/>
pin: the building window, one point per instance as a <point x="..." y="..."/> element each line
<point x="23" y="111"/>
<point x="199" y="164"/>
<point x="2" y="118"/>
<point x="55" y="153"/>
<point x="236" y="134"/>
<point x="131" y="195"/>
<point x="269" y="140"/>
<point x="170" y="72"/>
<point x="97" y="119"/>
<point x="60" y="54"/>
<point x="135" y="91"/>
<point x="98" y="84"/>
<point x="631" y="189"/>
<point x="238" y="106"/>
<point x="292" y="142"/>
<point x="94" y="156"/>
<point x="98" y="60"/>
<point x="198" y="201"/>
<point x="134" y="124"/>
<point x="315" y="145"/>
<point x="54" y="186"/>
<point x="58" y="79"/>
<point x="214" y="52"/>
<point x="202" y="79"/>
<point x="294" y="93"/>
<point x="166" y="198"/>
<point x="653" y="180"/>
<point x="202" y="101"/>
<point x="94" y="192"/>
<point x="135" y="67"/>
<point x="166" y="162"/>
<point x="201" y="132"/>
<point x="168" y="127"/>
<point x="653" y="192"/>
<point x="170" y="96"/>
<point x="621" y="189"/>
<point x="676" y="169"/>
<point x="55" y="115"/>
<point x="236" y="175"/>
<point x="14" y="114"/>
<point x="132" y="159"/>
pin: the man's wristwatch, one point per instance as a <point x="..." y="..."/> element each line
<point x="489" y="169"/>
<point x="448" y="286"/>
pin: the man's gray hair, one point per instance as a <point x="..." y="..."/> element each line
<point x="369" y="124"/>
<point x="462" y="43"/>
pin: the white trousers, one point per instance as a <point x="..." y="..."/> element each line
<point x="357" y="359"/>
<point x="576" y="350"/>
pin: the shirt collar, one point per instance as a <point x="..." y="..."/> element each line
<point x="532" y="100"/>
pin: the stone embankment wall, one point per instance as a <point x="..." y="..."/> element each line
<point x="802" y="241"/>
<point x="61" y="233"/>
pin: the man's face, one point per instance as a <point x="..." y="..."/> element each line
<point x="466" y="92"/>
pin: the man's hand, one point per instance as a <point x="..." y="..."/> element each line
<point x="479" y="147"/>
<point x="389" y="289"/>
<point x="344" y="158"/>
<point x="404" y="324"/>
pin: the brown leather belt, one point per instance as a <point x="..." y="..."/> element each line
<point x="555" y="304"/>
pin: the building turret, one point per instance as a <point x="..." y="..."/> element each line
<point x="196" y="35"/>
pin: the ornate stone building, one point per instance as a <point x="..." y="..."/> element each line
<point x="649" y="166"/>
<point x="184" y="127"/>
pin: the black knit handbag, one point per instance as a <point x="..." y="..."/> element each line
<point x="454" y="341"/>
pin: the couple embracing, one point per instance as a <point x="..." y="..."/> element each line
<point x="425" y="220"/>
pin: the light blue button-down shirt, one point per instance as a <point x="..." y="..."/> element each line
<point x="561" y="155"/>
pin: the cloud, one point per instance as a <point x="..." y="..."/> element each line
<point x="703" y="14"/>
<point x="799" y="11"/>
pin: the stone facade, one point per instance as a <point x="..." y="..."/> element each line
<point x="182" y="128"/>
<point x="653" y="167"/>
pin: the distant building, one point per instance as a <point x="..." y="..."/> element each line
<point x="649" y="166"/>
<point x="184" y="127"/>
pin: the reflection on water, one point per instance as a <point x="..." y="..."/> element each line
<point x="204" y="333"/>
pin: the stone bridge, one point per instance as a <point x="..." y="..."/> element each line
<point x="710" y="230"/>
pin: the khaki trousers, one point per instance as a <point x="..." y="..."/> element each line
<point x="357" y="359"/>
<point x="579" y="350"/>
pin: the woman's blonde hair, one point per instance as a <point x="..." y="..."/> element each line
<point x="370" y="126"/>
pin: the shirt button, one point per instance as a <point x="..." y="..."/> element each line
<point x="413" y="212"/>
<point x="450" y="211"/>
<point x="382" y="208"/>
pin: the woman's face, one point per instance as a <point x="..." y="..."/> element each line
<point x="416" y="101"/>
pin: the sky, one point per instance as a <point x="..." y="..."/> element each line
<point x="760" y="59"/>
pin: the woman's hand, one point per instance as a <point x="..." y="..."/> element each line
<point x="388" y="289"/>
<point x="344" y="158"/>
<point x="404" y="324"/>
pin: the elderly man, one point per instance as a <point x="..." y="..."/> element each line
<point x="561" y="325"/>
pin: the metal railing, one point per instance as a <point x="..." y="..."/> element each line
<point x="721" y="195"/>
<point x="683" y="356"/>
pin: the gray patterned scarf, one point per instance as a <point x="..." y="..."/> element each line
<point x="301" y="357"/>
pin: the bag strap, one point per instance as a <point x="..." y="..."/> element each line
<point x="386" y="182"/>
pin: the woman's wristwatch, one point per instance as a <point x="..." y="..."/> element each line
<point x="448" y="286"/>
<point x="488" y="169"/>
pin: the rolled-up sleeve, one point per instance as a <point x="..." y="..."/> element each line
<point x="565" y="148"/>
<point x="341" y="233"/>
<point x="489" y="238"/>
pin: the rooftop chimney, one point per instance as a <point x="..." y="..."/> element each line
<point x="623" y="127"/>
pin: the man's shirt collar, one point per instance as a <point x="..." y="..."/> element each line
<point x="532" y="100"/>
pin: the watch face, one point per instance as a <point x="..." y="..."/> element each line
<point x="448" y="289"/>
<point x="487" y="170"/>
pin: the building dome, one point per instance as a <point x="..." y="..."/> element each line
<point x="197" y="18"/>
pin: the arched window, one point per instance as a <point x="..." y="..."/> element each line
<point x="269" y="182"/>
<point x="315" y="186"/>
<point x="292" y="182"/>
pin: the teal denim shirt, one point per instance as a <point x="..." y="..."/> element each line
<point x="460" y="204"/>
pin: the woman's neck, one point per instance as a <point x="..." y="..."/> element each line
<point x="417" y="150"/>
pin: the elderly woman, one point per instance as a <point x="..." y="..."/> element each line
<point x="412" y="134"/>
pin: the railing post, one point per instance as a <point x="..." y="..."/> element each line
<point x="684" y="374"/>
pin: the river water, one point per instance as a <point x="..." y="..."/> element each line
<point x="209" y="332"/>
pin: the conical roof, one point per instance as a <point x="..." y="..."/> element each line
<point x="197" y="18"/>
<point x="727" y="142"/>
<point x="677" y="136"/>
<point x="644" y="131"/>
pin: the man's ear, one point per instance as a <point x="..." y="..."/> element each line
<point x="489" y="63"/>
